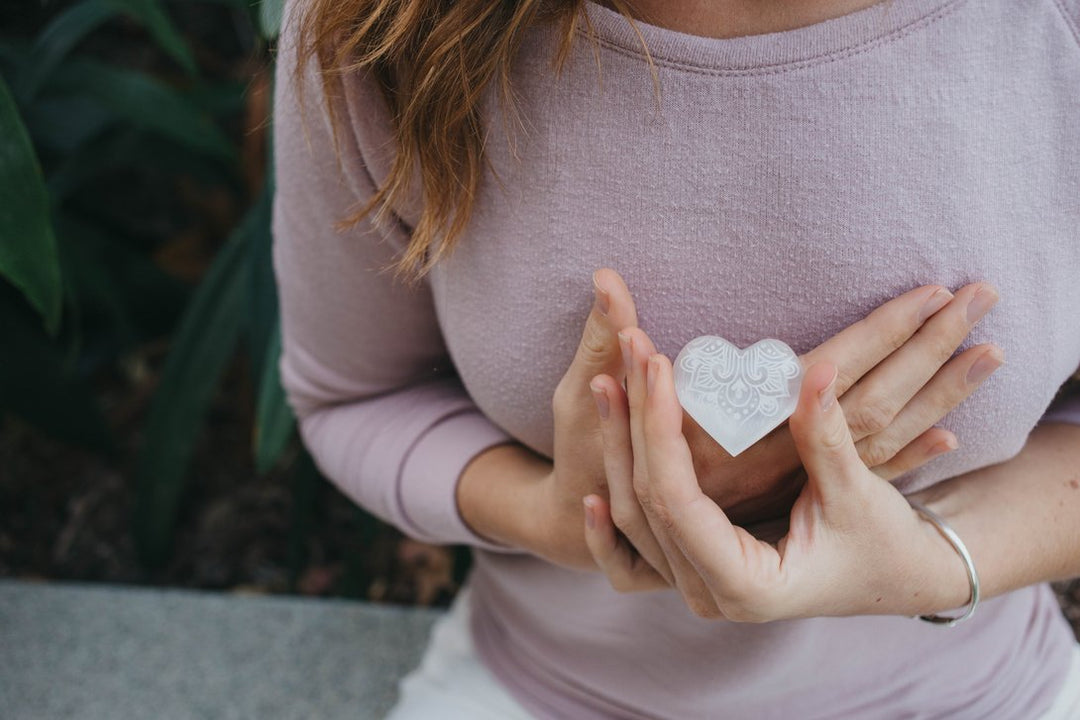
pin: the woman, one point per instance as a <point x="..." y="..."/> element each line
<point x="752" y="171"/>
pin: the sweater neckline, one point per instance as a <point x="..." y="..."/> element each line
<point x="788" y="49"/>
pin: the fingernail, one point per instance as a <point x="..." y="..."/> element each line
<point x="985" y="366"/>
<point x="624" y="344"/>
<point x="934" y="303"/>
<point x="603" y="299"/>
<point x="827" y="395"/>
<point x="600" y="397"/>
<point x="943" y="447"/>
<point x="650" y="376"/>
<point x="590" y="517"/>
<point x="981" y="303"/>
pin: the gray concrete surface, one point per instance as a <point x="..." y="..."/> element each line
<point x="99" y="652"/>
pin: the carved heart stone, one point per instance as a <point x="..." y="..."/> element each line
<point x="737" y="396"/>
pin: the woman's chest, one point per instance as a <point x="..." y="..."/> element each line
<point x="771" y="216"/>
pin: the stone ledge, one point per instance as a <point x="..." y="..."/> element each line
<point x="120" y="653"/>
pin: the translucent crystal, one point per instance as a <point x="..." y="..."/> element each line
<point x="738" y="396"/>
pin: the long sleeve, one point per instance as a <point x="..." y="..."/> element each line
<point x="1070" y="10"/>
<point x="363" y="364"/>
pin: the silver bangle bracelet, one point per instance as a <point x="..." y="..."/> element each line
<point x="973" y="577"/>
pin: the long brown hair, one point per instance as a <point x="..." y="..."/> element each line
<point x="433" y="60"/>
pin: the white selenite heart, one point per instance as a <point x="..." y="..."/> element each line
<point x="737" y="396"/>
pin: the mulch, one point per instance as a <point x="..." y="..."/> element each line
<point x="65" y="514"/>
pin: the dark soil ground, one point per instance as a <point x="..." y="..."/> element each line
<point x="65" y="514"/>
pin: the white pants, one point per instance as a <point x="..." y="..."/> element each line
<point x="452" y="684"/>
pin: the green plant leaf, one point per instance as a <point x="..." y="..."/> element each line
<point x="62" y="124"/>
<point x="125" y="148"/>
<point x="307" y="485"/>
<point x="151" y="15"/>
<point x="14" y="54"/>
<point x="270" y="18"/>
<point x="274" y="420"/>
<point x="28" y="255"/>
<point x="220" y="97"/>
<point x="68" y="28"/>
<point x="38" y="385"/>
<point x="56" y="41"/>
<point x="123" y="297"/>
<point x="202" y="347"/>
<point x="146" y="103"/>
<point x="262" y="313"/>
<point x="90" y="283"/>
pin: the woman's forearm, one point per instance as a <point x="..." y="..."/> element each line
<point x="1020" y="519"/>
<point x="494" y="491"/>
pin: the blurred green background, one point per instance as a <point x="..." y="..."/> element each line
<point x="145" y="435"/>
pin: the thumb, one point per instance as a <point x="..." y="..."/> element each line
<point x="612" y="310"/>
<point x="821" y="433"/>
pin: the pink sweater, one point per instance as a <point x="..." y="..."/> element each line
<point x="788" y="184"/>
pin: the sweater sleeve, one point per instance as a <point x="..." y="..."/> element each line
<point x="364" y="365"/>
<point x="1070" y="9"/>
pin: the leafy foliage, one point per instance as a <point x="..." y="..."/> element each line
<point x="203" y="344"/>
<point x="71" y="26"/>
<point x="86" y="285"/>
<point x="28" y="256"/>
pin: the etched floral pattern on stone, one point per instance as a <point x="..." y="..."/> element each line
<point x="737" y="395"/>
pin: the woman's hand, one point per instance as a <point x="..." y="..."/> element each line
<point x="553" y="513"/>
<point x="877" y="355"/>
<point x="854" y="545"/>
<point x="896" y="380"/>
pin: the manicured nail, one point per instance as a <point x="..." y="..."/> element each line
<point x="934" y="303"/>
<point x="985" y="366"/>
<point x="981" y="303"/>
<point x="650" y="376"/>
<point x="590" y="513"/>
<point x="827" y="395"/>
<point x="943" y="447"/>
<point x="600" y="397"/>
<point x="624" y="344"/>
<point x="603" y="299"/>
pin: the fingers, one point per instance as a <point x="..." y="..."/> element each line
<point x="864" y="344"/>
<point x="625" y="510"/>
<point x="878" y="398"/>
<point x="710" y="555"/>
<point x="952" y="384"/>
<point x="598" y="351"/>
<point x="626" y="570"/>
<point x="821" y="434"/>
<point x="931" y="444"/>
<point x="638" y="348"/>
<point x="668" y="464"/>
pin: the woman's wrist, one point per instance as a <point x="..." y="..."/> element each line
<point x="1018" y="518"/>
<point x="944" y="584"/>
<point x="495" y="494"/>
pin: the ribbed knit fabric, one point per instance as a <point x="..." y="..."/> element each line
<point x="783" y="186"/>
